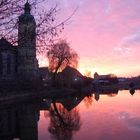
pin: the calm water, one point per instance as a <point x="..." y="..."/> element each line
<point x="112" y="117"/>
<point x="103" y="116"/>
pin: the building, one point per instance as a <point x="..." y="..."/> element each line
<point x="8" y="60"/>
<point x="19" y="62"/>
<point x="27" y="62"/>
<point x="105" y="79"/>
<point x="72" y="77"/>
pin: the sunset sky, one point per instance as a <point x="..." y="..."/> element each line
<point x="105" y="34"/>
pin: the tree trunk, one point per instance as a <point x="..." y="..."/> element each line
<point x="58" y="114"/>
<point x="54" y="75"/>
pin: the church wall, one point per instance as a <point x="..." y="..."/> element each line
<point x="20" y="63"/>
<point x="8" y="63"/>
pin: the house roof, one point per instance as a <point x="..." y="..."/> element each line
<point x="5" y="45"/>
<point x="71" y="71"/>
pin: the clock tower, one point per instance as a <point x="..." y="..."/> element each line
<point x="27" y="62"/>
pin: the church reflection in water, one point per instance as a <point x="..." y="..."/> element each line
<point x="21" y="121"/>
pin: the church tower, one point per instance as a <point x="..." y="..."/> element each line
<point x="27" y="62"/>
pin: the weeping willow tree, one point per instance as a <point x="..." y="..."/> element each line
<point x="61" y="55"/>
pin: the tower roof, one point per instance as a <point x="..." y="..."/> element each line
<point x="26" y="16"/>
<point x="27" y="7"/>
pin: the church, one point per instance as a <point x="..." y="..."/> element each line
<point x="20" y="62"/>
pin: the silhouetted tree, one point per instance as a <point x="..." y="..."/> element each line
<point x="61" y="55"/>
<point x="63" y="123"/>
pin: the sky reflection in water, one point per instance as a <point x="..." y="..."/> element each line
<point x="115" y="116"/>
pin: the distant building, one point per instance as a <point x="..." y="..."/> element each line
<point x="105" y="79"/>
<point x="121" y="79"/>
<point x="19" y="62"/>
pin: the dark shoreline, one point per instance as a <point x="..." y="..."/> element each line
<point x="25" y="96"/>
<point x="20" y="96"/>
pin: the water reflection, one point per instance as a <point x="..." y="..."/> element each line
<point x="109" y="92"/>
<point x="132" y="91"/>
<point x="19" y="123"/>
<point x="63" y="123"/>
<point x="65" y="116"/>
<point x="88" y="100"/>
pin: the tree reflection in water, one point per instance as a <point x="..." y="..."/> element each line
<point x="63" y="123"/>
<point x="88" y="100"/>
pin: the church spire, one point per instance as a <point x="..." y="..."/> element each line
<point x="27" y="7"/>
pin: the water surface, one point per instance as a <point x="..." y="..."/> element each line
<point x="114" y="116"/>
<point x="98" y="116"/>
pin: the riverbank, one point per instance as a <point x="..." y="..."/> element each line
<point x="30" y="95"/>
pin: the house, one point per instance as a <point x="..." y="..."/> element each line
<point x="72" y="77"/>
<point x="105" y="79"/>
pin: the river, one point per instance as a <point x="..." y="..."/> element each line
<point x="98" y="116"/>
<point x="108" y="117"/>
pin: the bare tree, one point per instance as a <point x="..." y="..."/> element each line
<point x="9" y="12"/>
<point x="47" y="26"/>
<point x="61" y="55"/>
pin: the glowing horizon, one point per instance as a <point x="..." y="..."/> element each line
<point x="85" y="68"/>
